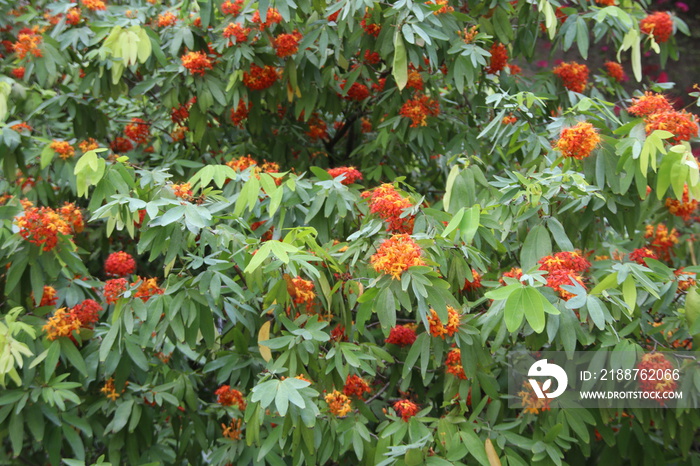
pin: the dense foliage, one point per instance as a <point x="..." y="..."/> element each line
<point x="305" y="232"/>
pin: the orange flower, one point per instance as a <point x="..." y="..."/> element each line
<point x="18" y="72"/>
<point x="530" y="402"/>
<point x="453" y="363"/>
<point x="302" y="291"/>
<point x="61" y="324"/>
<point x="475" y="282"/>
<point x="120" y="145"/>
<point x="88" y="145"/>
<point x="114" y="289"/>
<point x="437" y="329"/>
<point x="227" y="396"/>
<point x="351" y="175"/>
<point x="578" y="141"/>
<point x="639" y="254"/>
<point x="48" y="297"/>
<point x="419" y="109"/>
<point x="370" y="28"/>
<point x="514" y="272"/>
<point x="469" y="35"/>
<point x="63" y="149"/>
<point x="41" y="226"/>
<point x="233" y="430"/>
<point x="94" y="5"/>
<point x="615" y="71"/>
<point x="236" y="31"/>
<point x="657" y="363"/>
<point x="406" y="409"/>
<point x="338" y="403"/>
<point x="573" y="75"/>
<point x="685" y="279"/>
<point x="183" y="191"/>
<point x="445" y="7"/>
<point x="19" y="127"/>
<point x="649" y="104"/>
<point x="557" y="278"/>
<point x="683" y="208"/>
<point x="286" y="45"/>
<point x="355" y="385"/>
<point x="317" y="128"/>
<point x="196" y="62"/>
<point x="395" y="255"/>
<point x="401" y="335"/>
<point x="120" y="264"/>
<point x="660" y="24"/>
<point x="234" y="8"/>
<point x="415" y="81"/>
<point x="273" y="17"/>
<point x="27" y="43"/>
<point x="565" y="260"/>
<point x="258" y="78"/>
<point x="242" y="163"/>
<point x="167" y="19"/>
<point x="499" y="58"/>
<point x="390" y="206"/>
<point x="72" y="216"/>
<point x="137" y="131"/>
<point x="661" y="240"/>
<point x="682" y="124"/>
<point x="148" y="288"/>
<point x="605" y="2"/>
<point x="73" y="16"/>
<point x="509" y="120"/>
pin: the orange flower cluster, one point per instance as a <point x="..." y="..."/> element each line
<point x="661" y="241"/>
<point x="114" y="289"/>
<point x="648" y="104"/>
<point x="660" y="24"/>
<point x="683" y="208"/>
<point x="419" y="109"/>
<point x="638" y="255"/>
<point x="286" y="45"/>
<point x="615" y="71"/>
<point x="406" y="409"/>
<point x="390" y="205"/>
<point x="240" y="113"/>
<point x="137" y="131"/>
<point x="180" y="114"/>
<point x="474" y="283"/>
<point x="355" y="385"/>
<point x="469" y="35"/>
<point x="273" y="17"/>
<point x="338" y="333"/>
<point x="148" y="288"/>
<point x="683" y="125"/>
<point x="196" y="62"/>
<point x="357" y="92"/>
<point x="350" y="174"/>
<point x="565" y="260"/>
<point x="318" y="129"/>
<point x="372" y="58"/>
<point x="302" y="291"/>
<point x="338" y="403"/>
<point x="233" y="430"/>
<point x="499" y="58"/>
<point x="109" y="390"/>
<point x="41" y="226"/>
<point x="120" y="145"/>
<point x="63" y="149"/>
<point x="446" y="8"/>
<point x="73" y="16"/>
<point x="658" y="363"/>
<point x="395" y="255"/>
<point x="183" y="191"/>
<point x="61" y="324"/>
<point x="227" y="396"/>
<point x="27" y="43"/>
<point x="402" y="335"/>
<point x="415" y="81"/>
<point x="18" y="72"/>
<point x="578" y="141"/>
<point x="437" y="329"/>
<point x="606" y="2"/>
<point x="370" y="28"/>
<point x="573" y="75"/>
<point x="557" y="278"/>
<point x="515" y="272"/>
<point x="234" y="8"/>
<point x="245" y="162"/>
<point x="88" y="145"/>
<point x="530" y="402"/>
<point x="167" y="19"/>
<point x="120" y="264"/>
<point x="236" y="31"/>
<point x="48" y="297"/>
<point x="685" y="279"/>
<point x="509" y="120"/>
<point x="453" y="363"/>
<point x="260" y="78"/>
<point x="94" y="5"/>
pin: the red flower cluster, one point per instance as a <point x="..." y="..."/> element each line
<point x="639" y="254"/>
<point x="318" y="129"/>
<point x="578" y="141"/>
<point x="73" y="16"/>
<point x="499" y="58"/>
<point x="350" y="174"/>
<point x="371" y="58"/>
<point x="302" y="291"/>
<point x="453" y="363"/>
<point x="114" y="289"/>
<point x="395" y="255"/>
<point x="260" y="78"/>
<point x="683" y="125"/>
<point x="286" y="45"/>
<point x="615" y="71"/>
<point x="402" y="335"/>
<point x="87" y="313"/>
<point x="234" y="8"/>
<point x="370" y="28"/>
<point x="415" y="81"/>
<point x="474" y="283"/>
<point x="685" y="279"/>
<point x="357" y="92"/>
<point x="661" y="240"/>
<point x="236" y="31"/>
<point x="18" y="72"/>
<point x="562" y="268"/>
<point x="137" y="131"/>
<point x="227" y="396"/>
<point x="180" y="114"/>
<point x="437" y="329"/>
<point x="94" y="5"/>
<point x="167" y="19"/>
<point x="121" y="145"/>
<point x="419" y="109"/>
<point x="338" y="403"/>
<point x="390" y="205"/>
<point x="148" y="288"/>
<point x="648" y="104"/>
<point x="406" y="409"/>
<point x="41" y="226"/>
<point x="196" y="62"/>
<point x="356" y="385"/>
<point x="273" y="17"/>
<point x="660" y="24"/>
<point x="64" y="322"/>
<point x="658" y="363"/>
<point x="573" y="75"/>
<point x="683" y="208"/>
<point x="120" y="264"/>
<point x="514" y="272"/>
<point x="239" y="114"/>
<point x="48" y="297"/>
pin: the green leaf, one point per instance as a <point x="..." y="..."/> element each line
<point x="121" y="415"/>
<point x="385" y="306"/>
<point x="596" y="309"/>
<point x="537" y="245"/>
<point x="69" y="350"/>
<point x="400" y="65"/>
<point x="514" y="310"/>
<point x="534" y="309"/>
<point x="475" y="446"/>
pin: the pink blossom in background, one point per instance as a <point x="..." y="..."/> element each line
<point x="542" y="63"/>
<point x="682" y="7"/>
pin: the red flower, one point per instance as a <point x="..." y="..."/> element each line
<point x="419" y="109"/>
<point x="475" y="282"/>
<point x="355" y="385"/>
<point x="454" y="364"/>
<point x="273" y="17"/>
<point x="148" y="288"/>
<point x="371" y="58"/>
<point x="167" y="19"/>
<point x="357" y="92"/>
<point x="402" y="335"/>
<point x="649" y="104"/>
<point x="615" y="71"/>
<point x="286" y="45"/>
<point x="557" y="278"/>
<point x="370" y="28"/>
<point x="573" y="75"/>
<point x="683" y="208"/>
<point x="114" y="289"/>
<point x="437" y="329"/>
<point x="137" y="131"/>
<point x="260" y="78"/>
<point x="578" y="141"/>
<point x="406" y="409"/>
<point x="660" y="24"/>
<point x="227" y="396"/>
<point x="499" y="58"/>
<point x="18" y="72"/>
<point x="234" y="8"/>
<point x="87" y="313"/>
<point x="638" y="255"/>
<point x="120" y="264"/>
<point x="41" y="226"/>
<point x="121" y="145"/>
<point x="657" y="386"/>
<point x="196" y="62"/>
<point x="236" y="31"/>
<point x="395" y="255"/>
<point x="351" y="175"/>
<point x="565" y="260"/>
<point x="48" y="297"/>
<point x="682" y="124"/>
<point x="241" y="112"/>
<point x="514" y="272"/>
<point x="390" y="205"/>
